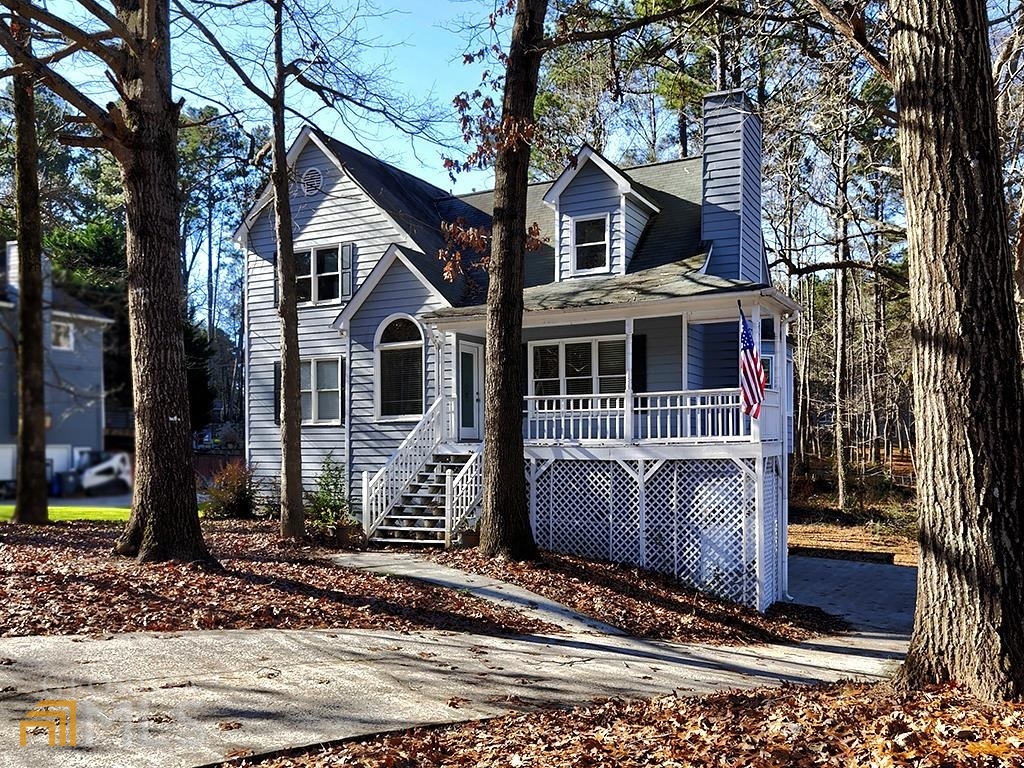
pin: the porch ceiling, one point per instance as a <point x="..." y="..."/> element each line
<point x="630" y="293"/>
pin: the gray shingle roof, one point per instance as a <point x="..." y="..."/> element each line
<point x="677" y="280"/>
<point x="672" y="236"/>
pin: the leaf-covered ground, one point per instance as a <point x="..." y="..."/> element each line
<point x="61" y="579"/>
<point x="835" y="726"/>
<point x="647" y="604"/>
<point x="863" y="541"/>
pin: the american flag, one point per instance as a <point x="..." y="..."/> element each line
<point x="752" y="376"/>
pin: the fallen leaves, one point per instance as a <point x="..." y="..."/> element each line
<point x="843" y="725"/>
<point x="61" y="579"/>
<point x="648" y="604"/>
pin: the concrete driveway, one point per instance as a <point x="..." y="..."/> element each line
<point x="192" y="698"/>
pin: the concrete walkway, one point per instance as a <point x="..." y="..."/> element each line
<point x="192" y="698"/>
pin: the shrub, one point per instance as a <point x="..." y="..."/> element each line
<point x="326" y="507"/>
<point x="232" y="493"/>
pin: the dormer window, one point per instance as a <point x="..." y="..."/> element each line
<point x="590" y="244"/>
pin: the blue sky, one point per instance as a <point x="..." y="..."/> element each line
<point x="417" y="39"/>
<point x="426" y="60"/>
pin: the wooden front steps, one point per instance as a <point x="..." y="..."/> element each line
<point x="418" y="516"/>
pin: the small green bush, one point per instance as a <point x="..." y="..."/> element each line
<point x="233" y="493"/>
<point x="327" y="511"/>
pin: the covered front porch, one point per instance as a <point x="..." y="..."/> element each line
<point x="647" y="378"/>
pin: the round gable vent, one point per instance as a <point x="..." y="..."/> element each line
<point x="312" y="181"/>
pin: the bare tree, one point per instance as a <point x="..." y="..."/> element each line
<point x="328" y="67"/>
<point x="140" y="130"/>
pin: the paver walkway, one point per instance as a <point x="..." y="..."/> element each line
<point x="191" y="698"/>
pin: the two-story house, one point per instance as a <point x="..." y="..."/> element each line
<point x="73" y="348"/>
<point x="636" y="445"/>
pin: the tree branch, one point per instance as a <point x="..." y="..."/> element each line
<point x="853" y="29"/>
<point x="114" y="23"/>
<point x="112" y="57"/>
<point x="230" y="60"/>
<point x="60" y="86"/>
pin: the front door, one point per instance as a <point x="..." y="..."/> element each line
<point x="471" y="390"/>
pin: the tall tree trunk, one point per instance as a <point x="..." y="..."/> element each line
<point x="840" y="388"/>
<point x="293" y="521"/>
<point x="211" y="285"/>
<point x="841" y="370"/>
<point x="164" y="523"/>
<point x="30" y="504"/>
<point x="968" y="398"/>
<point x="505" y="527"/>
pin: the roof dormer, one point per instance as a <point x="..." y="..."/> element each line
<point x="600" y="214"/>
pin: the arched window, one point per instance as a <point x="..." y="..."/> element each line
<point x="399" y="349"/>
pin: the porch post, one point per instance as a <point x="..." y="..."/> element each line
<point x="452" y="394"/>
<point x="759" y="532"/>
<point x="628" y="415"/>
<point x="685" y="365"/>
<point x="755" y="327"/>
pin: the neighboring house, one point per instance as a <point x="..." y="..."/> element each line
<point x="73" y="349"/>
<point x="636" y="447"/>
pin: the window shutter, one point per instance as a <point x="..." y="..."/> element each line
<point x="345" y="267"/>
<point x="277" y="393"/>
<point x="524" y="370"/>
<point x="342" y="385"/>
<point x="273" y="264"/>
<point x="639" y="363"/>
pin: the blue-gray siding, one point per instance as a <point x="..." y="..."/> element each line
<point x="74" y="387"/>
<point x="340" y="213"/>
<point x="636" y="219"/>
<point x="590" y="193"/>
<point x="373" y="440"/>
<point x="731" y="210"/>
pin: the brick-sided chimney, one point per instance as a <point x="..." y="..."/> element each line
<point x="730" y="220"/>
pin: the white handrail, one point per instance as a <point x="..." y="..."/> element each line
<point x="462" y="494"/>
<point x="385" y="487"/>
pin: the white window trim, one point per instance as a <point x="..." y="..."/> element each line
<point x="560" y="343"/>
<point x="71" y="336"/>
<point x="342" y="296"/>
<point x="573" y="220"/>
<point x="405" y="417"/>
<point x="314" y="421"/>
<point x="770" y="359"/>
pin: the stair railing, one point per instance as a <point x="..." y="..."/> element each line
<point x="385" y="488"/>
<point x="462" y="493"/>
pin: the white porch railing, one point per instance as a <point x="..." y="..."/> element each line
<point x="382" y="490"/>
<point x="706" y="415"/>
<point x="575" y="418"/>
<point x="462" y="494"/>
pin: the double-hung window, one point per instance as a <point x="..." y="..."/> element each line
<point x="320" y="388"/>
<point x="590" y="244"/>
<point x="62" y="336"/>
<point x="324" y="274"/>
<point x="400" y="380"/>
<point x="578" y="367"/>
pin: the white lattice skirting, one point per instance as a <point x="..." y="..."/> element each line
<point x="696" y="519"/>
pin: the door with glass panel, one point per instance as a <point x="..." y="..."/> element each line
<point x="470" y="395"/>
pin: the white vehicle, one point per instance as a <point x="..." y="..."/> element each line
<point x="99" y="472"/>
